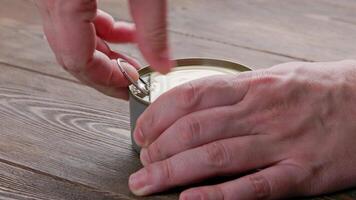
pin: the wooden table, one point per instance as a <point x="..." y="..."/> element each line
<point x="63" y="140"/>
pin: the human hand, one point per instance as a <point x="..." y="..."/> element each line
<point x="77" y="33"/>
<point x="293" y="123"/>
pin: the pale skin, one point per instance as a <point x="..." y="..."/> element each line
<point x="295" y="122"/>
<point x="293" y="125"/>
<point x="78" y="34"/>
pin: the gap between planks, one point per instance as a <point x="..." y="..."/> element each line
<point x="187" y="34"/>
<point x="38" y="72"/>
<point x="57" y="178"/>
<point x="240" y="46"/>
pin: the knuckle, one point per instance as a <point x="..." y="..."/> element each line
<point x="217" y="155"/>
<point x="264" y="78"/>
<point x="191" y="131"/>
<point x="189" y="97"/>
<point x="309" y="176"/>
<point x="149" y="154"/>
<point x="240" y="89"/>
<point x="154" y="152"/>
<point x="265" y="83"/>
<point x="212" y="192"/>
<point x="218" y="193"/>
<point x="167" y="172"/>
<point x="261" y="186"/>
<point x="217" y="82"/>
<point x="261" y="77"/>
<point x="86" y="8"/>
<point x="71" y="64"/>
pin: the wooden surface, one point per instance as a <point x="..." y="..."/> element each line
<point x="63" y="140"/>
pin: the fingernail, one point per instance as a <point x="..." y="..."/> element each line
<point x="132" y="72"/>
<point x="139" y="138"/>
<point x="138" y="182"/>
<point x="190" y="196"/>
<point x="145" y="157"/>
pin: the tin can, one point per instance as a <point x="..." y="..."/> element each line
<point x="202" y="67"/>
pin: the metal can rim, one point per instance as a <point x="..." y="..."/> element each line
<point x="192" y="62"/>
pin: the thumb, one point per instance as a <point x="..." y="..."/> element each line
<point x="150" y="17"/>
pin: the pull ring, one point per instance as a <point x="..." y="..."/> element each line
<point x="140" y="84"/>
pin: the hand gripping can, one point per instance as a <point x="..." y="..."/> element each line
<point x="152" y="84"/>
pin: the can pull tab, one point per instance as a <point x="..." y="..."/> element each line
<point x="140" y="85"/>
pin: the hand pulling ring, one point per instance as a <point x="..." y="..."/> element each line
<point x="140" y="84"/>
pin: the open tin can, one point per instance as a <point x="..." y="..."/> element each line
<point x="152" y="84"/>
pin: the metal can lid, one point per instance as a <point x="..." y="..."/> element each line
<point x="186" y="70"/>
<point x="160" y="83"/>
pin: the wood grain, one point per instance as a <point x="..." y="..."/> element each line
<point x="84" y="141"/>
<point x="63" y="140"/>
<point x="300" y="29"/>
<point x="17" y="182"/>
<point x="295" y="30"/>
<point x="66" y="137"/>
<point x="23" y="36"/>
<point x="29" y="44"/>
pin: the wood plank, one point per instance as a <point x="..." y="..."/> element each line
<point x="311" y="30"/>
<point x="47" y="125"/>
<point x="24" y="36"/>
<point x="20" y="183"/>
<point x="74" y="133"/>
<point x="32" y="51"/>
<point x="299" y="29"/>
<point x="66" y="130"/>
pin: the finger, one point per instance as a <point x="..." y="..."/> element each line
<point x="133" y="62"/>
<point x="72" y="21"/>
<point x="74" y="28"/>
<point x="48" y="28"/>
<point x="276" y="182"/>
<point x="217" y="158"/>
<point x="104" y="72"/>
<point x="110" y="89"/>
<point x="196" y="129"/>
<point x="150" y="19"/>
<point x="111" y="31"/>
<point x="187" y="98"/>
